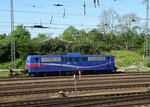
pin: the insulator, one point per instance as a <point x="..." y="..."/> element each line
<point x="84" y="5"/>
<point x="94" y="3"/>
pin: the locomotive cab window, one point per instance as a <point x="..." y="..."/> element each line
<point x="36" y="60"/>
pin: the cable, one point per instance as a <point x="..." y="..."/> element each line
<point x="48" y="13"/>
<point x="62" y="24"/>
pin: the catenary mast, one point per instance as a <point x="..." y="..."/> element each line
<point x="147" y="38"/>
<point x="13" y="57"/>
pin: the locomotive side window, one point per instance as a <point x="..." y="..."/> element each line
<point x="50" y="59"/>
<point x="96" y="58"/>
<point x="78" y="59"/>
<point x="71" y="59"/>
<point x="74" y="59"/>
<point x="65" y="59"/>
<point x="84" y="59"/>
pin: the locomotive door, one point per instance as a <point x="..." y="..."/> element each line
<point x="109" y="62"/>
<point x="37" y="61"/>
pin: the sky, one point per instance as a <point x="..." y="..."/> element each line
<point x="35" y="12"/>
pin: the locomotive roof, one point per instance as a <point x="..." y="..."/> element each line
<point x="69" y="55"/>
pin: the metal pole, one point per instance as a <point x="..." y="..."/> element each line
<point x="11" y="33"/>
<point x="147" y="46"/>
<point x="13" y="57"/>
<point x="75" y="83"/>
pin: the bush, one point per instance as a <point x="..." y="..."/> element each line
<point x="125" y="58"/>
<point x="20" y="63"/>
<point x="148" y="64"/>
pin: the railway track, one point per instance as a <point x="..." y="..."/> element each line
<point x="19" y="87"/>
<point x="115" y="75"/>
<point x="113" y="100"/>
<point x="11" y="81"/>
<point x="38" y="84"/>
<point x="12" y="88"/>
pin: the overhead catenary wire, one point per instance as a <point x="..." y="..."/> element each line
<point x="60" y="24"/>
<point x="54" y="14"/>
<point x="24" y="11"/>
<point x="49" y="13"/>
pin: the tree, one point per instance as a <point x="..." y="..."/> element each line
<point x="52" y="46"/>
<point x="96" y="40"/>
<point x="108" y="21"/>
<point x="128" y="26"/>
<point x="69" y="35"/>
<point x="72" y="37"/>
<point x="22" y="38"/>
<point x="128" y="21"/>
<point x="36" y="42"/>
<point x="5" y="45"/>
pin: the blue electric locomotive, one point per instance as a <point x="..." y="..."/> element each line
<point x="69" y="63"/>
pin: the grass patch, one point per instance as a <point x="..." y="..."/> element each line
<point x="4" y="74"/>
<point x="20" y="64"/>
<point x="127" y="58"/>
<point x="5" y="65"/>
<point x="14" y="74"/>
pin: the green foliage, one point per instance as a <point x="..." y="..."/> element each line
<point x="21" y="36"/>
<point x="70" y="34"/>
<point x="127" y="58"/>
<point x="4" y="74"/>
<point x="73" y="40"/>
<point x="5" y="65"/>
<point x="35" y="43"/>
<point x="20" y="63"/>
<point x="148" y="65"/>
<point x="4" y="48"/>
